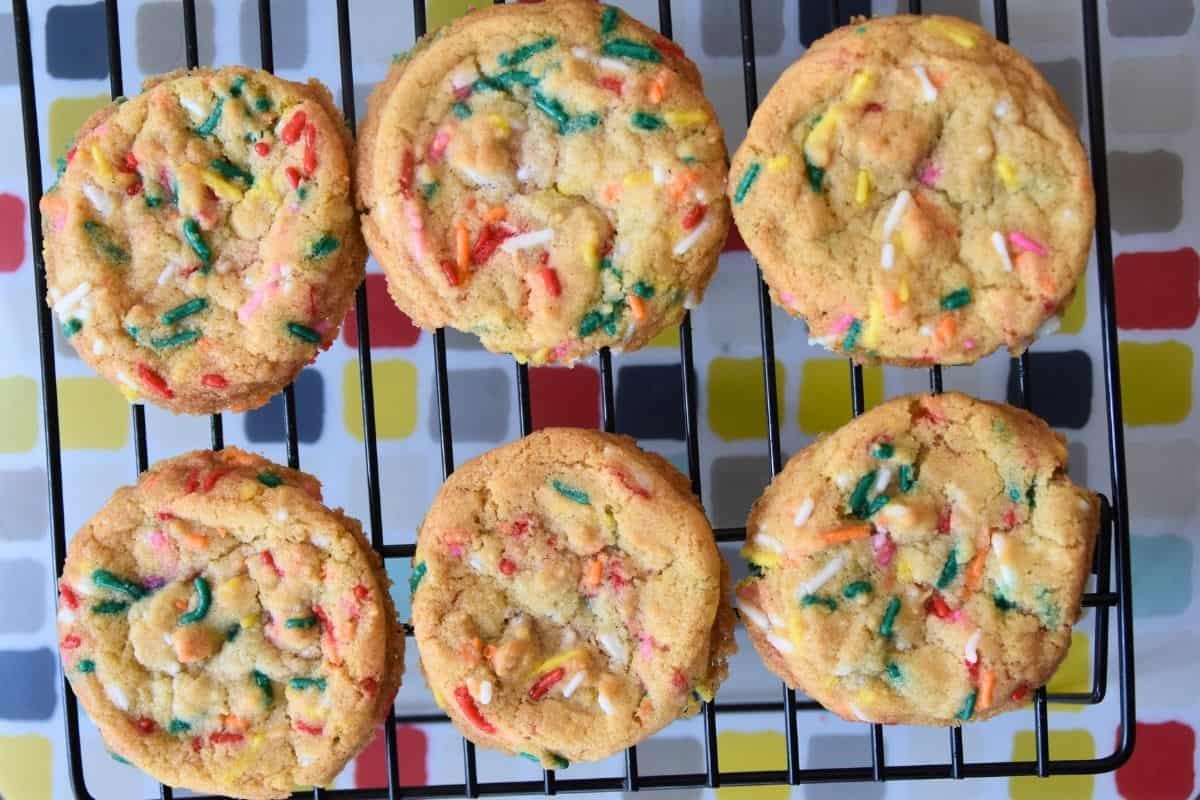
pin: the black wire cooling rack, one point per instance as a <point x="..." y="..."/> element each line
<point x="1111" y="568"/>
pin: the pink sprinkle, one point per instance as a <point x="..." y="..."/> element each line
<point x="262" y="292"/>
<point x="1023" y="242"/>
<point x="929" y="174"/>
<point x="438" y="146"/>
<point x="969" y="344"/>
<point x="416" y="224"/>
<point x="646" y="646"/>
<point x="154" y="582"/>
<point x="562" y="350"/>
<point x="322" y="326"/>
<point x="60" y="220"/>
<point x="842" y="325"/>
<point x="157" y="540"/>
<point x="462" y="92"/>
<point x="884" y="548"/>
<point x="455" y="549"/>
<point x="788" y="298"/>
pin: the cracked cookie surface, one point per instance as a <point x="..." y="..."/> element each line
<point x="923" y="564"/>
<point x="201" y="242"/>
<point x="917" y="192"/>
<point x="225" y="630"/>
<point x="549" y="177"/>
<point x="569" y="599"/>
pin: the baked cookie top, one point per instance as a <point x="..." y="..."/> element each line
<point x="569" y="599"/>
<point x="923" y="564"/>
<point x="916" y="191"/>
<point x="201" y="242"/>
<point x="225" y="630"/>
<point x="549" y="177"/>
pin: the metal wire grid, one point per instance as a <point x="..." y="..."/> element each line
<point x="1111" y="593"/>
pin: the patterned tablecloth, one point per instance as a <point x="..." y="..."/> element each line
<point x="1151" y="97"/>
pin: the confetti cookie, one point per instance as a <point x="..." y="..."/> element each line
<point x="201" y="241"/>
<point x="923" y="564"/>
<point x="225" y="630"/>
<point x="568" y="597"/>
<point x="549" y="177"/>
<point x="917" y="192"/>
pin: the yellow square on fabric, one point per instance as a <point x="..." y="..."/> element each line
<point x="736" y="400"/>
<point x="750" y="752"/>
<point x="825" y="393"/>
<point x="67" y="114"/>
<point x="1074" y="673"/>
<point x="24" y="768"/>
<point x="395" y="382"/>
<point x="92" y="414"/>
<point x="440" y="12"/>
<point x="1070" y="744"/>
<point x="19" y="422"/>
<point x="1156" y="382"/>
<point x="668" y="337"/>
<point x="1075" y="313"/>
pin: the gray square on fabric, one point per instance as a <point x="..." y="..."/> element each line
<point x="1146" y="191"/>
<point x="29" y="678"/>
<point x="827" y="750"/>
<point x="1150" y="17"/>
<point x="480" y="400"/>
<point x="966" y="9"/>
<point x="736" y="482"/>
<point x="1066" y="77"/>
<point x="75" y="43"/>
<point x="160" y="45"/>
<point x="720" y="28"/>
<point x="8" y="52"/>
<point x="22" y="578"/>
<point x="289" y="33"/>
<point x="24" y="498"/>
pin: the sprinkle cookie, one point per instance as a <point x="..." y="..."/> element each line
<point x="549" y="177"/>
<point x="226" y="631"/>
<point x="568" y="597"/>
<point x="916" y="191"/>
<point x="923" y="564"/>
<point x="201" y="243"/>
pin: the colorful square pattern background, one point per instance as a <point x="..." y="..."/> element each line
<point x="1152" y="91"/>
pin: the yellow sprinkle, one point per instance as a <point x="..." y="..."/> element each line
<point x="643" y="178"/>
<point x="903" y="293"/>
<point x="763" y="558"/>
<point x="862" y="188"/>
<point x="860" y="85"/>
<point x="558" y="660"/>
<point x="705" y="691"/>
<point x="782" y="161"/>
<point x="265" y="189"/>
<point x="257" y="740"/>
<point x="796" y="630"/>
<point x="101" y="162"/>
<point x="1007" y="172"/>
<point x="249" y="622"/>
<point x="817" y="145"/>
<point x="591" y="254"/>
<point x="874" y="320"/>
<point x="955" y="33"/>
<point x="224" y="189"/>
<point x="500" y="123"/>
<point x="130" y="394"/>
<point x="866" y="697"/>
<point x="248" y="490"/>
<point x="685" y="119"/>
<point x="903" y="570"/>
<point x="610" y="519"/>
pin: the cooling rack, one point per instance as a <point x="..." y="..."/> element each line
<point x="1110" y="598"/>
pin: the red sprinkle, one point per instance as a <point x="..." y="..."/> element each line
<point x="269" y="560"/>
<point x="294" y="127"/>
<point x="679" y="680"/>
<point x="944" y="521"/>
<point x="614" y="85"/>
<point x="193" y="481"/>
<point x="550" y="281"/>
<point x="133" y="189"/>
<point x="466" y="704"/>
<point x="871" y="107"/>
<point x="1010" y="518"/>
<point x="214" y="381"/>
<point x="211" y="479"/>
<point x="155" y="382"/>
<point x="311" y="730"/>
<point x="165" y="515"/>
<point x="973" y="669"/>
<point x="370" y="686"/>
<point x="450" y="270"/>
<point x="544" y="683"/>
<point x="669" y="47"/>
<point x="1020" y="693"/>
<point x="462" y="92"/>
<point x="69" y="598"/>
<point x="629" y="483"/>
<point x="310" y="149"/>
<point x="361" y="592"/>
<point x="692" y="218"/>
<point x="131" y="162"/>
<point x="197" y="744"/>
<point x="938" y="607"/>
<point x="293" y="176"/>
<point x="222" y="737"/>
<point x="518" y="526"/>
<point x="70" y="155"/>
<point x="262" y="148"/>
<point x="71" y="641"/>
<point x="491" y="237"/>
<point x="146" y="725"/>
<point x="507" y="567"/>
<point x="437" y="147"/>
<point x="406" y="173"/>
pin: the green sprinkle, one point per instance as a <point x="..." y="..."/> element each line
<point x="1003" y="603"/>
<point x="414" y="580"/>
<point x="308" y="683"/>
<point x="209" y="125"/>
<point x="175" y="340"/>
<point x="558" y="761"/>
<point x="609" y="20"/>
<point x="580" y="123"/>
<point x="300" y="622"/>
<point x="756" y="570"/>
<point x="231" y="633"/>
<point x="1031" y="496"/>
<point x="303" y="333"/>
<point x="263" y="104"/>
<point x="60" y="165"/>
<point x="876" y="504"/>
<point x="153" y="201"/>
<point x="323" y="246"/>
<point x="71" y="327"/>
<point x="132" y="330"/>
<point x="819" y="600"/>
<point x="857" y="503"/>
<point x="889" y="617"/>
<point x="643" y="289"/>
<point x="178" y="726"/>
<point x="816" y="175"/>
<point x="264" y="683"/>
<point x="893" y="672"/>
<point x="852" y="335"/>
<point x="269" y="479"/>
<point x="530" y="757"/>
<point x="861" y="29"/>
<point x="1014" y="494"/>
<point x="428" y="190"/>
<point x="86" y="666"/>
<point x="590" y="323"/>
<point x="883" y="450"/>
<point x="191" y="232"/>
<point x="956" y="299"/>
<point x="302" y="193"/>
<point x="487" y="82"/>
<point x="231" y="170"/>
<point x="120" y="759"/>
<point x="646" y="122"/>
<point x="855" y="589"/>
<point x="102" y="239"/>
<point x="906" y="478"/>
<point x="949" y="571"/>
<point x="515" y="76"/>
<point x="627" y="48"/>
<point x="203" y="602"/>
<point x="462" y="110"/>
<point x="235" y="88"/>
<point x="748" y="179"/>
<point x="606" y="263"/>
<point x="193" y="306"/>
<point x="107" y="580"/>
<point x="110" y="607"/>
<point x="551" y="108"/>
<point x="968" y="709"/>
<point x="571" y="493"/>
<point x="526" y="52"/>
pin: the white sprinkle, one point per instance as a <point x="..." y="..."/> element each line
<point x="485" y="692"/>
<point x="803" y="512"/>
<point x="570" y="686"/>
<point x="66" y="615"/>
<point x="1002" y="250"/>
<point x="281" y="515"/>
<point x="896" y="214"/>
<point x="882" y="479"/>
<point x="168" y="272"/>
<point x="1007" y="575"/>
<point x="754" y="615"/>
<point x="927" y="86"/>
<point x="686" y="243"/>
<point x="858" y="713"/>
<point x="692" y="300"/>
<point x="477" y="177"/>
<point x="118" y="697"/>
<point x="320" y="541"/>
<point x="1049" y="327"/>
<point x="843" y="480"/>
<point x="475" y="562"/>
<point x="769" y="542"/>
<point x="701" y="195"/>
<point x="999" y="544"/>
<point x="887" y="256"/>
<point x="71" y="299"/>
<point x="526" y="241"/>
<point x="304" y="761"/>
<point x="193" y="108"/>
<point x="98" y="198"/>
<point x="660" y="174"/>
<point x="98" y="347"/>
<point x="612" y="645"/>
<point x="1001" y="109"/>
<point x="581" y="53"/>
<point x="124" y="378"/>
<point x="1084" y="505"/>
<point x="971" y="650"/>
<point x="613" y="64"/>
<point x="824" y="341"/>
<point x="821" y="578"/>
<point x="925" y="330"/>
<point x="780" y="643"/>
<point x="605" y="704"/>
<point x="463" y="76"/>
<point x="523" y="173"/>
<point x="776" y="622"/>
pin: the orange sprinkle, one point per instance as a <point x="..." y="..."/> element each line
<point x="939" y="78"/>
<point x="489" y="651"/>
<point x="469" y="202"/>
<point x="846" y="533"/>
<point x="946" y="328"/>
<point x="181" y="605"/>
<point x="234" y="723"/>
<point x="462" y="245"/>
<point x="611" y="192"/>
<point x="658" y="87"/>
<point x="987" y="685"/>
<point x="974" y="574"/>
<point x="683" y="184"/>
<point x="594" y="572"/>
<point x="638" y="306"/>
<point x="495" y="214"/>
<point x="891" y="303"/>
<point x="194" y="541"/>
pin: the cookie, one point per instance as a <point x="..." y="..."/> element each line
<point x="568" y="597"/>
<point x="201" y="241"/>
<point x="226" y="631"/>
<point x="549" y="177"/>
<point x="923" y="564"/>
<point x="916" y="191"/>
